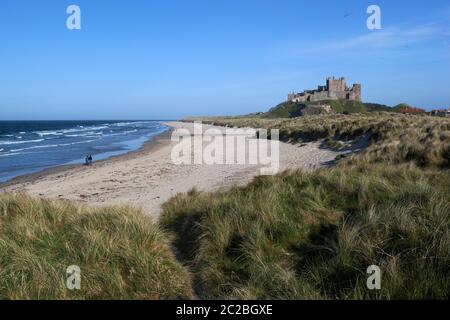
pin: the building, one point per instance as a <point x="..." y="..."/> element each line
<point x="335" y="89"/>
<point x="441" y="113"/>
<point x="412" y="110"/>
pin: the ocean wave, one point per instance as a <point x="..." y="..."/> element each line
<point x="48" y="133"/>
<point x="36" y="147"/>
<point x="9" y="154"/>
<point x="119" y="133"/>
<point x="84" y="134"/>
<point x="72" y="130"/>
<point x="124" y="124"/>
<point x="84" y="129"/>
<point x="20" y="142"/>
<point x="80" y="128"/>
<point x="52" y="146"/>
<point x="72" y="143"/>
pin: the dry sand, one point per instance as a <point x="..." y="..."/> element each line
<point x="147" y="178"/>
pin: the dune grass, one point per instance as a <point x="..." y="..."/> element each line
<point x="121" y="254"/>
<point x="395" y="138"/>
<point x="312" y="236"/>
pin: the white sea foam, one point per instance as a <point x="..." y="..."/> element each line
<point x="123" y="124"/>
<point x="52" y="146"/>
<point x="72" y="130"/>
<point x="8" y="154"/>
<point x="72" y="143"/>
<point x="80" y="129"/>
<point x="48" y="133"/>
<point x="20" y="142"/>
<point x="36" y="147"/>
<point x="84" y="129"/>
<point x="120" y="133"/>
<point x="84" y="134"/>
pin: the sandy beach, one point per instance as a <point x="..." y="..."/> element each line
<point x="148" y="177"/>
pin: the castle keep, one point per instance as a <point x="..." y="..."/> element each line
<point x="336" y="89"/>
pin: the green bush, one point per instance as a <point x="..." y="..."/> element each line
<point x="286" y="109"/>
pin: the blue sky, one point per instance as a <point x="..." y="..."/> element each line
<point x="155" y="59"/>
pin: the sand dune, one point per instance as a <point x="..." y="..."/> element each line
<point x="148" y="178"/>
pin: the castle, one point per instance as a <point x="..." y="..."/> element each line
<point x="336" y="89"/>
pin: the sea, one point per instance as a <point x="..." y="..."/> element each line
<point x="32" y="146"/>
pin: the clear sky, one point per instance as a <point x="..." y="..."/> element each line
<point x="166" y="59"/>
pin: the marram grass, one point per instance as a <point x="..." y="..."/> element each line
<point x="395" y="138"/>
<point x="313" y="236"/>
<point x="121" y="253"/>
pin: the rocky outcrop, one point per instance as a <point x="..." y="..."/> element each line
<point x="316" y="109"/>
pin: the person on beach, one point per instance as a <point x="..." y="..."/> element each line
<point x="88" y="160"/>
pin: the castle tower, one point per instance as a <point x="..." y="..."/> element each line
<point x="357" y="92"/>
<point x="335" y="87"/>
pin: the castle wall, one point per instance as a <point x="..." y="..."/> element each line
<point x="318" y="96"/>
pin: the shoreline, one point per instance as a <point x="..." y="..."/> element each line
<point x="148" y="177"/>
<point x="150" y="144"/>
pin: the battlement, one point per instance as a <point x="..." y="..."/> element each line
<point x="335" y="89"/>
